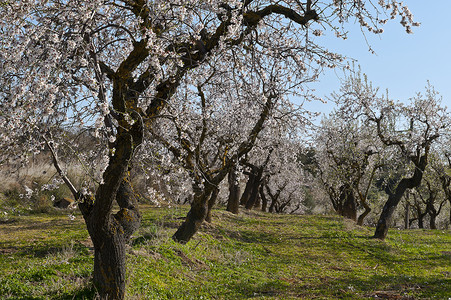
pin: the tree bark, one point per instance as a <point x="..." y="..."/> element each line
<point x="109" y="236"/>
<point x="109" y="261"/>
<point x="420" y="219"/>
<point x="432" y="221"/>
<point x="349" y="207"/>
<point x="247" y="190"/>
<point x="195" y="216"/>
<point x="273" y="204"/>
<point x="395" y="197"/>
<point x="211" y="203"/>
<point x="362" y="217"/>
<point x="388" y="210"/>
<point x="257" y="174"/>
<point x="263" y="198"/>
<point x="449" y="212"/>
<point x="406" y="216"/>
<point x="254" y="193"/>
<point x="257" y="203"/>
<point x="274" y="198"/>
<point x="446" y="182"/>
<point x="233" y="202"/>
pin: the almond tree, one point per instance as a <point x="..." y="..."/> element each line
<point x="210" y="128"/>
<point x="284" y="183"/>
<point x="440" y="179"/>
<point x="348" y="157"/>
<point x="429" y="193"/>
<point x="112" y="66"/>
<point x="209" y="142"/>
<point x="411" y="129"/>
<point x="273" y="165"/>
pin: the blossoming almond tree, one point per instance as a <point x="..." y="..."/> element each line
<point x="113" y="65"/>
<point x="411" y="129"/>
<point x="211" y="126"/>
<point x="348" y="156"/>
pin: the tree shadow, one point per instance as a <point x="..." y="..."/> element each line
<point x="85" y="293"/>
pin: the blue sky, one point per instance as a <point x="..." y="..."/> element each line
<point x="403" y="62"/>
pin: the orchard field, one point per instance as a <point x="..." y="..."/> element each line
<point x="169" y="150"/>
<point x="252" y="255"/>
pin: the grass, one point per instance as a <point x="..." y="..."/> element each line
<point x="252" y="255"/>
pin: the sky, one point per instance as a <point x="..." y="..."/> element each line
<point x="403" y="62"/>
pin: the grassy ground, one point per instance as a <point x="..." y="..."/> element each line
<point x="248" y="256"/>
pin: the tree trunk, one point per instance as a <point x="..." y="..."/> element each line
<point x="109" y="233"/>
<point x="449" y="212"/>
<point x="233" y="202"/>
<point x="274" y="198"/>
<point x="211" y="203"/>
<point x="394" y="198"/>
<point x="432" y="221"/>
<point x="364" y="203"/>
<point x="109" y="238"/>
<point x="420" y="220"/>
<point x="273" y="204"/>
<point x="387" y="211"/>
<point x="258" y="200"/>
<point x="263" y="198"/>
<point x="253" y="198"/>
<point x="195" y="216"/>
<point x="406" y="216"/>
<point x="254" y="194"/>
<point x="347" y="198"/>
<point x="432" y="211"/>
<point x="109" y="262"/>
<point x="362" y="217"/>
<point x="247" y="190"/>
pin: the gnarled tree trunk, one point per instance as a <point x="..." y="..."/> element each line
<point x="248" y="189"/>
<point x="211" y="203"/>
<point x="195" y="216"/>
<point x="395" y="197"/>
<point x="363" y="215"/>
<point x="110" y="232"/>
<point x="109" y="237"/>
<point x="254" y="192"/>
<point x="406" y="215"/>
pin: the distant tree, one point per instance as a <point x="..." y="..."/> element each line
<point x="410" y="129"/>
<point x="440" y="177"/>
<point x="428" y="201"/>
<point x="347" y="158"/>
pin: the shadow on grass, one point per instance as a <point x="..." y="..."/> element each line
<point x="376" y="286"/>
<point x="61" y="224"/>
<point x="42" y="251"/>
<point x="85" y="293"/>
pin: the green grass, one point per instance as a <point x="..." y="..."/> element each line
<point x="252" y="255"/>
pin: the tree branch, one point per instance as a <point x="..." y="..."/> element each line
<point x="56" y="163"/>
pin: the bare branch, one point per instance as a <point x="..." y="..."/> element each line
<point x="56" y="163"/>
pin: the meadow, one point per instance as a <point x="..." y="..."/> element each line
<point x="252" y="255"/>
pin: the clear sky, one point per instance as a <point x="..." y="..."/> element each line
<point x="403" y="62"/>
